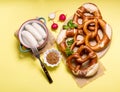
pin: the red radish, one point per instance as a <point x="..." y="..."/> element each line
<point x="62" y="17"/>
<point x="54" y="26"/>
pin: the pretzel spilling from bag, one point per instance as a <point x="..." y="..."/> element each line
<point x="84" y="39"/>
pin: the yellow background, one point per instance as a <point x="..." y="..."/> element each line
<point x="20" y="72"/>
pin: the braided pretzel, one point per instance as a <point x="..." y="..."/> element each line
<point x="77" y="68"/>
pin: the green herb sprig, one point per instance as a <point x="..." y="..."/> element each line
<point x="70" y="42"/>
<point x="68" y="51"/>
<point x="70" y="25"/>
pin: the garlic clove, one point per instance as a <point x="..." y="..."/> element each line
<point x="52" y="16"/>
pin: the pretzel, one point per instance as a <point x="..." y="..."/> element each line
<point x="77" y="68"/>
<point x="63" y="46"/>
<point x="72" y="33"/>
<point x="85" y="12"/>
<point x="100" y="43"/>
<point x="84" y="61"/>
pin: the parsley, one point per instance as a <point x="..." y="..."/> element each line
<point x="70" y="42"/>
<point x="68" y="51"/>
<point x="70" y="25"/>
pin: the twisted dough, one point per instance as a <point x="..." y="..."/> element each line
<point x="84" y="61"/>
<point x="77" y="68"/>
<point x="101" y="43"/>
<point x="85" y="12"/>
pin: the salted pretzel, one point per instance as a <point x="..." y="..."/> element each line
<point x="75" y="62"/>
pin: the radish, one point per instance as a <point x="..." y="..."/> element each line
<point x="62" y="17"/>
<point x="54" y="26"/>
